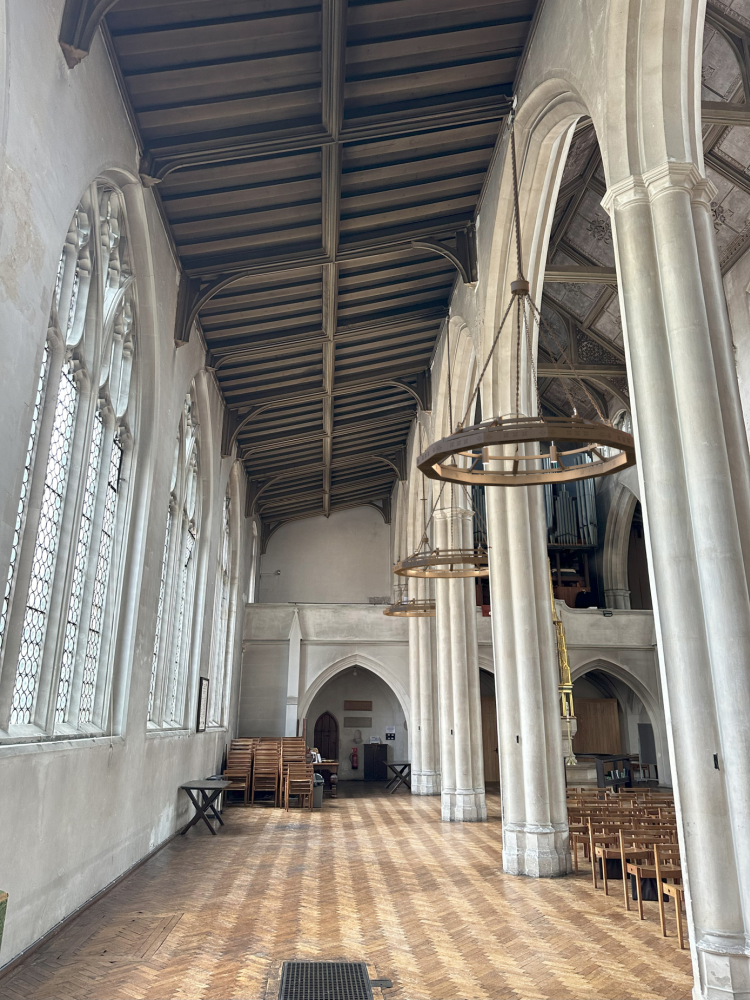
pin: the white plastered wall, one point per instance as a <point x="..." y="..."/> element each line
<point x="342" y="559"/>
<point x="86" y="810"/>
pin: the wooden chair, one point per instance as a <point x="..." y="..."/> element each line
<point x="238" y="771"/>
<point x="293" y="751"/>
<point x="299" y="782"/>
<point x="265" y="771"/>
<point x="677" y="892"/>
<point x="664" y="853"/>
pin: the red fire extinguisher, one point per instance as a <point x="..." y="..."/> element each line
<point x="354" y="758"/>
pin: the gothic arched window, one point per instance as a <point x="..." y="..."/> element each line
<point x="57" y="625"/>
<point x="170" y="666"/>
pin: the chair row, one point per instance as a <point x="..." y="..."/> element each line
<point x="632" y="843"/>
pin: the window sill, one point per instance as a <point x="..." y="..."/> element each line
<point x="159" y="734"/>
<point x="53" y="744"/>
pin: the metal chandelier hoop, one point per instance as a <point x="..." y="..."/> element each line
<point x="411" y="609"/>
<point x="445" y="564"/>
<point x="492" y="455"/>
<point x="509" y="450"/>
<point x="452" y="562"/>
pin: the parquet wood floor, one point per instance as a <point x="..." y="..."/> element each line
<point x="374" y="878"/>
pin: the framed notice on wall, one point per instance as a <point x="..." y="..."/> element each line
<point x="202" y="705"/>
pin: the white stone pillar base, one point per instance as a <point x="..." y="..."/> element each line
<point x="724" y="968"/>
<point x="463" y="807"/>
<point x="425" y="783"/>
<point x="540" y="853"/>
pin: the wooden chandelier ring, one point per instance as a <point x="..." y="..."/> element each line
<point x="433" y="462"/>
<point x="437" y="565"/>
<point x="411" y="609"/>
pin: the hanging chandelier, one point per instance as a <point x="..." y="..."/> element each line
<point x="451" y="562"/>
<point x="444" y="564"/>
<point x="410" y="609"/>
<point x="520" y="449"/>
<point x="503" y="452"/>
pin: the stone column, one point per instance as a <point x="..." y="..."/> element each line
<point x="532" y="776"/>
<point x="692" y="461"/>
<point x="425" y="746"/>
<point x="461" y="758"/>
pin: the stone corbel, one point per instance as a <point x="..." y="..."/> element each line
<point x="80" y="22"/>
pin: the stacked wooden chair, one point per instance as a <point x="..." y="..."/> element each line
<point x="298" y="780"/>
<point x="636" y="833"/>
<point x="293" y="751"/>
<point x="239" y="767"/>
<point x="266" y="770"/>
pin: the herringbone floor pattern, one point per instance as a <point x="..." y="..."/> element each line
<point x="374" y="878"/>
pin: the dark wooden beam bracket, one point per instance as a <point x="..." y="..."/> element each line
<point x="463" y="255"/>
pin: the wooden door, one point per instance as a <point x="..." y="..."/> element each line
<point x="489" y="739"/>
<point x="598" y="726"/>
<point x="327" y="736"/>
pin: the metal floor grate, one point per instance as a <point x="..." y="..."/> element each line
<point x="325" y="981"/>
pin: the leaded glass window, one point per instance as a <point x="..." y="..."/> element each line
<point x="79" y="570"/>
<point x="159" y="615"/>
<point x="171" y="657"/>
<point x="66" y="586"/>
<point x="184" y="578"/>
<point x="24" y="497"/>
<point x="222" y="623"/>
<point x="45" y="551"/>
<point x="101" y="578"/>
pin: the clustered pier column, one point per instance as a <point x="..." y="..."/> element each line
<point x="693" y="463"/>
<point x="462" y="763"/>
<point x="532" y="775"/>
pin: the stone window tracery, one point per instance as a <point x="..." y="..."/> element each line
<point x="60" y="612"/>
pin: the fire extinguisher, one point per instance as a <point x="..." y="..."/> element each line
<point x="354" y="758"/>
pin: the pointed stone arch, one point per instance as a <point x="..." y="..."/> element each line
<point x="380" y="670"/>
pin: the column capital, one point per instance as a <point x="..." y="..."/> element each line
<point x="448" y="513"/>
<point x="668" y="176"/>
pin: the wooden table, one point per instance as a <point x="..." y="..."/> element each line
<point x="401" y="774"/>
<point x="210" y="789"/>
<point x="332" y="766"/>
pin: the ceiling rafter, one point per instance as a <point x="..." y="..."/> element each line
<point x="295" y="190"/>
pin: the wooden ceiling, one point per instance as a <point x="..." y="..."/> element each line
<point x="297" y="150"/>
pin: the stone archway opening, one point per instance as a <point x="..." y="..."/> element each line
<point x="612" y="719"/>
<point x="367" y="713"/>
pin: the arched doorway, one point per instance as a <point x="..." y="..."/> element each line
<point x="369" y="719"/>
<point x="327" y="736"/>
<point x="612" y="719"/>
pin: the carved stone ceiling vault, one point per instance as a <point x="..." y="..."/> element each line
<point x="581" y="239"/>
<point x="297" y="149"/>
